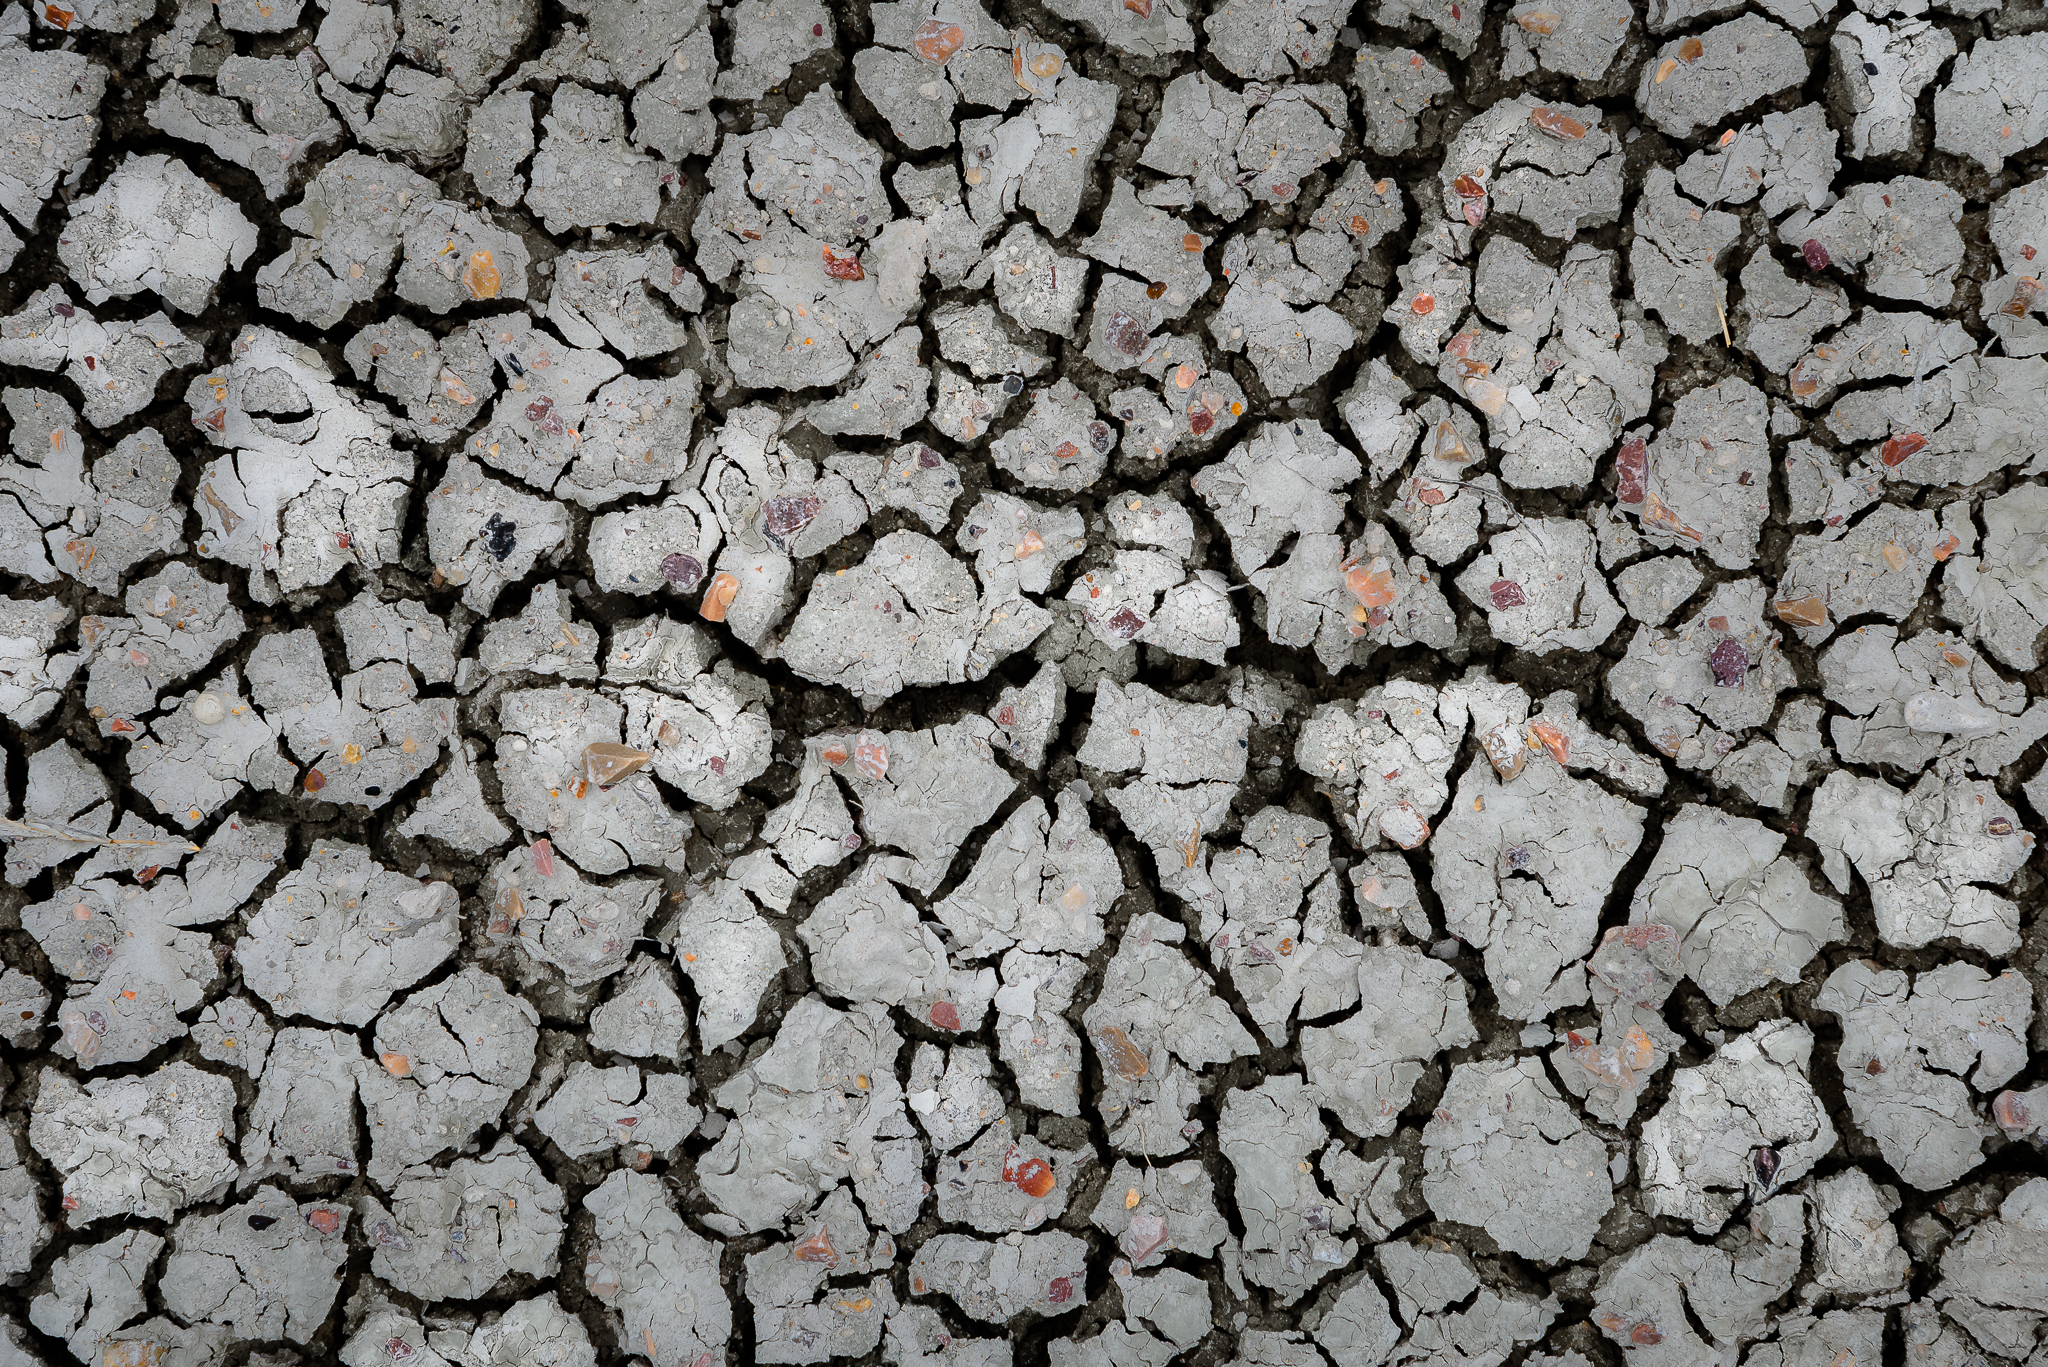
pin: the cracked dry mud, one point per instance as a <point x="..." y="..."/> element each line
<point x="1108" y="683"/>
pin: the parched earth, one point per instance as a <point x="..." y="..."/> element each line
<point x="1103" y="683"/>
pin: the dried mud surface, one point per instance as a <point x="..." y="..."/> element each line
<point x="1547" y="1256"/>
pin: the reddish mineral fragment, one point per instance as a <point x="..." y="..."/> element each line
<point x="1556" y="124"/>
<point x="1032" y="1176"/>
<point x="1372" y="585"/>
<point x="1552" y="739"/>
<point x="1631" y="471"/>
<point x="1730" y="662"/>
<point x="718" y="597"/>
<point x="936" y="42"/>
<point x="817" y="1248"/>
<point x="684" y="571"/>
<point x="1897" y="450"/>
<point x="843" y="265"/>
<point x="1806" y="612"/>
<point x="1125" y="333"/>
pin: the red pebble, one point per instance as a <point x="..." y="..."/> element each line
<point x="1898" y="449"/>
<point x="1631" y="469"/>
<point x="1032" y="1176"/>
<point x="684" y="571"/>
<point x="1730" y="662"/>
<point x="840" y="267"/>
